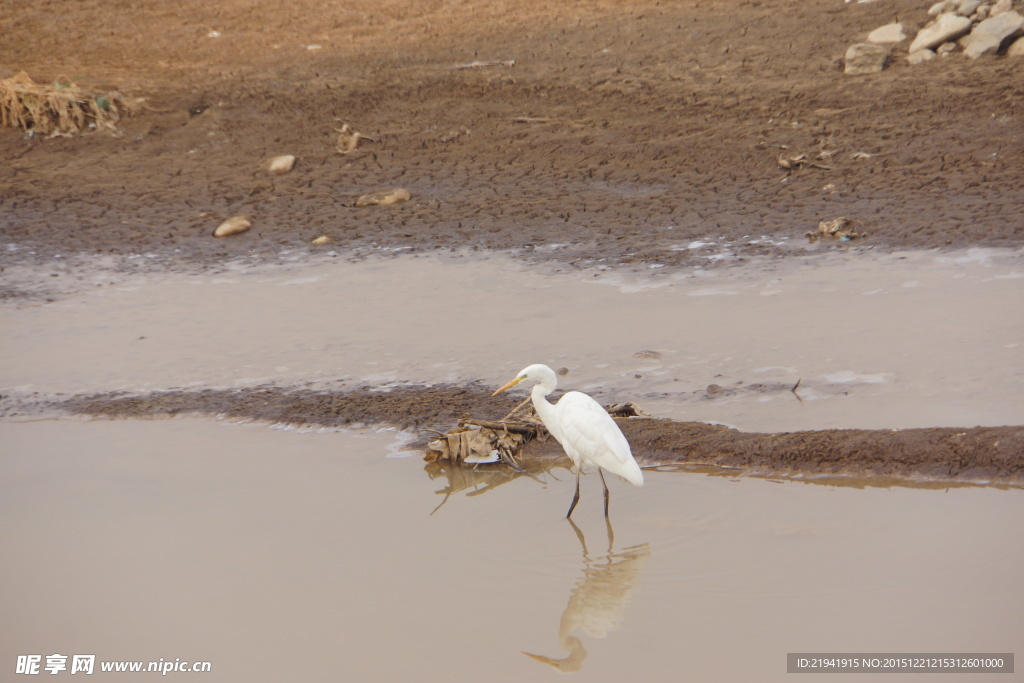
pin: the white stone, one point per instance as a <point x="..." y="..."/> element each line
<point x="948" y="27"/>
<point x="1001" y="7"/>
<point x="232" y="226"/>
<point x="942" y="6"/>
<point x="1016" y="49"/>
<point x="890" y="33"/>
<point x="920" y="56"/>
<point x="967" y="7"/>
<point x="989" y="35"/>
<point x="282" y="164"/>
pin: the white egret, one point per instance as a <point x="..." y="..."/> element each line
<point x="586" y="431"/>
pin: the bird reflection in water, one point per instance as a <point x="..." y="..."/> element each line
<point x="599" y="601"/>
<point x="483" y="478"/>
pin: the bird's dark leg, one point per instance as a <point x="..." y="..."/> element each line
<point x="575" y="498"/>
<point x="601" y="472"/>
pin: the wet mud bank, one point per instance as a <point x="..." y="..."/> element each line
<point x="979" y="455"/>
<point x="409" y="408"/>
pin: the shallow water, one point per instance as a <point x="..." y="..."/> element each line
<point x="877" y="341"/>
<point x="286" y="555"/>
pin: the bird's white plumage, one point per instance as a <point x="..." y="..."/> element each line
<point x="590" y="436"/>
<point x="586" y="431"/>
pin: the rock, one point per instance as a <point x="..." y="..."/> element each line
<point x="941" y="7"/>
<point x="890" y="33"/>
<point x="384" y="198"/>
<point x="232" y="226"/>
<point x="322" y="239"/>
<point x="989" y="35"/>
<point x="946" y="49"/>
<point x="920" y="56"/>
<point x="1016" y="49"/>
<point x="865" y="58"/>
<point x="982" y="13"/>
<point x="1001" y="7"/>
<point x="282" y="164"/>
<point x="968" y="7"/>
<point x="948" y="27"/>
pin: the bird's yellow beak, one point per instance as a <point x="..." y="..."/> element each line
<point x="511" y="384"/>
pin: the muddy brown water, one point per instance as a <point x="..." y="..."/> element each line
<point x="282" y="554"/>
<point x="308" y="553"/>
<point x="877" y="341"/>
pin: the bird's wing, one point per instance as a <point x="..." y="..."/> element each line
<point x="587" y="431"/>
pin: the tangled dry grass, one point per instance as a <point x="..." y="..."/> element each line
<point x="58" y="110"/>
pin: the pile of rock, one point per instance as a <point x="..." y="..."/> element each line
<point x="973" y="26"/>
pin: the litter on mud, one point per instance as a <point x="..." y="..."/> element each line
<point x="384" y="198"/>
<point x="478" y="444"/>
<point x="839" y="228"/>
<point x="483" y="64"/>
<point x="795" y="162"/>
<point x="348" y="139"/>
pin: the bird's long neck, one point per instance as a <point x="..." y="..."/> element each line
<point x="544" y="409"/>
